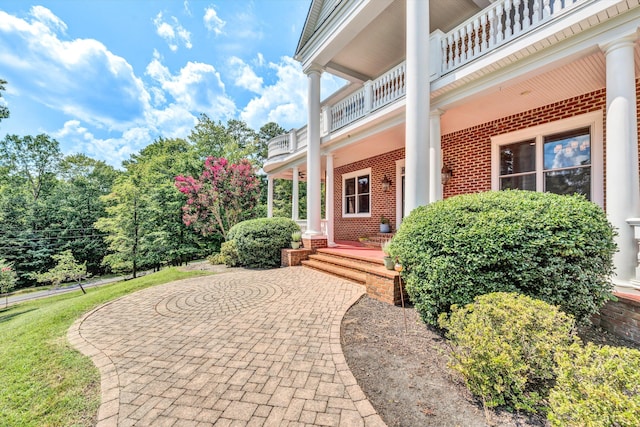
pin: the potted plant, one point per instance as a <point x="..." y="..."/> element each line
<point x="296" y="239"/>
<point x="384" y="224"/>
<point x="388" y="261"/>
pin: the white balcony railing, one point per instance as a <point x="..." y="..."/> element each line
<point x="499" y="23"/>
<point x="503" y="21"/>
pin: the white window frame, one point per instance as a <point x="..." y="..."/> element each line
<point x="355" y="175"/>
<point x="591" y="120"/>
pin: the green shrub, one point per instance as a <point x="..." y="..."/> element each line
<point x="259" y="240"/>
<point x="216" y="259"/>
<point x="596" y="386"/>
<point x="504" y="346"/>
<point x="555" y="248"/>
<point x="228" y="254"/>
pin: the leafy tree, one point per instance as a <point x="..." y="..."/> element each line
<point x="123" y="225"/>
<point x="8" y="279"/>
<point x="67" y="268"/>
<point x="234" y="142"/>
<point x="36" y="159"/>
<point x="221" y="197"/>
<point x="266" y="134"/>
<point x="4" y="111"/>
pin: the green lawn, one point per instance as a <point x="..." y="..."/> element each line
<point x="43" y="381"/>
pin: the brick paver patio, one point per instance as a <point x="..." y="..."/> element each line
<point x="244" y="348"/>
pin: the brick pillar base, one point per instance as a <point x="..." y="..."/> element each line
<point x="292" y="257"/>
<point x="314" y="242"/>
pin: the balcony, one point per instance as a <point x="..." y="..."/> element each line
<point x="494" y="27"/>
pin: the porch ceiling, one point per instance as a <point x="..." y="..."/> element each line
<point x="583" y="75"/>
<point x="381" y="44"/>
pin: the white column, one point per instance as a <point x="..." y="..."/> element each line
<point x="329" y="200"/>
<point x="295" y="209"/>
<point x="313" y="154"/>
<point x="269" y="196"/>
<point x="623" y="190"/>
<point x="435" y="157"/>
<point x="417" y="101"/>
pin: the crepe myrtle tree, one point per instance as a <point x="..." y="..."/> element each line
<point x="221" y="197"/>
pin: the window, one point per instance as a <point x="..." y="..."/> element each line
<point x="564" y="157"/>
<point x="356" y="193"/>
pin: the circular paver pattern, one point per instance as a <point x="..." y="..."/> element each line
<point x="242" y="348"/>
<point x="218" y="298"/>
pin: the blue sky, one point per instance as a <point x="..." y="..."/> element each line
<point x="107" y="77"/>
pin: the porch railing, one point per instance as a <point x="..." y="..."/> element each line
<point x="302" y="223"/>
<point x="497" y="24"/>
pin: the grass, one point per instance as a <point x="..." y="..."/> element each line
<point x="43" y="380"/>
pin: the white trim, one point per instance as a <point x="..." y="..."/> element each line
<point x="356" y="174"/>
<point x="399" y="165"/>
<point x="591" y="120"/>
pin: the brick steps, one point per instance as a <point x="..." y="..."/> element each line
<point x="381" y="283"/>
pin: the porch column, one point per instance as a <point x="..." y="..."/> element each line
<point x="623" y="190"/>
<point x="295" y="210"/>
<point x="313" y="154"/>
<point x="269" y="196"/>
<point x="417" y="174"/>
<point x="435" y="157"/>
<point x="329" y="199"/>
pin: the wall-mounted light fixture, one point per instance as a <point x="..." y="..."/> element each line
<point x="445" y="174"/>
<point x="386" y="183"/>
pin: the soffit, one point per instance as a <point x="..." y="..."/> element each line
<point x="381" y="44"/>
<point x="584" y="75"/>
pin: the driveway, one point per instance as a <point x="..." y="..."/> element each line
<point x="244" y="348"/>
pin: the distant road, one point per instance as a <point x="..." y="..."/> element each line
<point x="14" y="299"/>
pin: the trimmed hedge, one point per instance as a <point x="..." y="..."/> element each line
<point x="258" y="241"/>
<point x="504" y="346"/>
<point x="555" y="248"/>
<point x="596" y="386"/>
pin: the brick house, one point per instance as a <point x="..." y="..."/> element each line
<point x="484" y="94"/>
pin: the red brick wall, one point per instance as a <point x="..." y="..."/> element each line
<point x="621" y="317"/>
<point x="468" y="152"/>
<point x="382" y="203"/>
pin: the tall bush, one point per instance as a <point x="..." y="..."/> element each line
<point x="556" y="248"/>
<point x="504" y="346"/>
<point x="258" y="241"/>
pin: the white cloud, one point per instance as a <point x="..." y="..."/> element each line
<point x="173" y="33"/>
<point x="197" y="87"/>
<point x="244" y="76"/>
<point x="112" y="150"/>
<point x="45" y="16"/>
<point x="213" y="22"/>
<point x="285" y="101"/>
<point x="80" y="77"/>
<point x="187" y="8"/>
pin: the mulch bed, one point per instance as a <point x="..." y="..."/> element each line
<point x="405" y="375"/>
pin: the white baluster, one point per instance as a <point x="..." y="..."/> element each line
<point x="493" y="25"/>
<point x="452" y="51"/>
<point x="537" y="13"/>
<point x="557" y="6"/>
<point x="526" y="13"/>
<point x="484" y="44"/>
<point x="517" y="19"/>
<point x="469" y="42"/>
<point x="499" y="27"/>
<point x="477" y="38"/>
<point x="508" y="24"/>
<point x="460" y="45"/>
<point x="546" y="9"/>
<point x="444" y="63"/>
